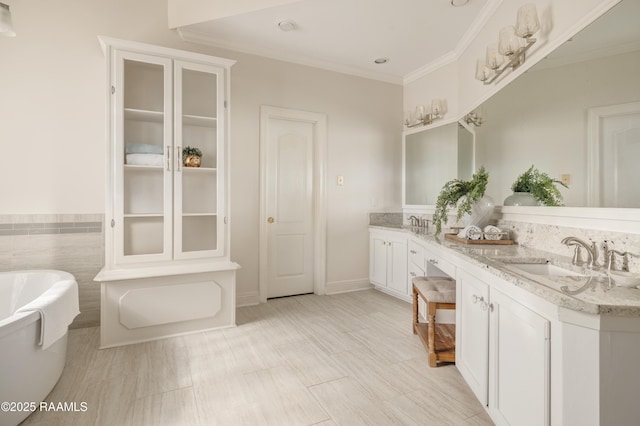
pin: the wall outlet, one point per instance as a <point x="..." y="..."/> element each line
<point x="566" y="179"/>
<point x="340" y="180"/>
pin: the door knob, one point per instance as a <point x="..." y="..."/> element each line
<point x="271" y="219"/>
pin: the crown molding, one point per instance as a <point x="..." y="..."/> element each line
<point x="195" y="37"/>
<point x="474" y="29"/>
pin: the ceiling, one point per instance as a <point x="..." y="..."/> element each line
<point x="348" y="35"/>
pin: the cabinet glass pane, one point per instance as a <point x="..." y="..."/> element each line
<point x="199" y="114"/>
<point x="199" y="193"/>
<point x="199" y="186"/>
<point x="143" y="190"/>
<point x="143" y="235"/>
<point x="199" y="233"/>
<point x="143" y="86"/>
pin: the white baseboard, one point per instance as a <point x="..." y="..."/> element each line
<point x="337" y="287"/>
<point x="247" y="299"/>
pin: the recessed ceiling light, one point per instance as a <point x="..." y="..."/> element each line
<point x="458" y="3"/>
<point x="287" y="25"/>
<point x="381" y="61"/>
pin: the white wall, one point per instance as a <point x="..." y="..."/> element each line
<point x="53" y="125"/>
<point x="541" y="119"/>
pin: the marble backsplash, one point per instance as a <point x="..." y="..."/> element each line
<point x="68" y="242"/>
<point x="549" y="237"/>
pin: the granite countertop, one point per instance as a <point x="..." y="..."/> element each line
<point x="589" y="293"/>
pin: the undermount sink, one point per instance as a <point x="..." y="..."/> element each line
<point x="544" y="269"/>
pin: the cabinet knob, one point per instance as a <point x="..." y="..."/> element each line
<point x="413" y="274"/>
<point x="413" y="252"/>
<point x="271" y="219"/>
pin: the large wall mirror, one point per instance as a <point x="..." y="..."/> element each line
<point x="434" y="156"/>
<point x="575" y="113"/>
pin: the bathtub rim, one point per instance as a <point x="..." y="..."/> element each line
<point x="20" y="320"/>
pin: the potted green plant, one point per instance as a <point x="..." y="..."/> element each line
<point x="191" y="156"/>
<point x="540" y="187"/>
<point x="461" y="194"/>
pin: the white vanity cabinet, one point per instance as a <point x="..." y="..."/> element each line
<point x="388" y="262"/>
<point x="503" y="352"/>
<point x="166" y="233"/>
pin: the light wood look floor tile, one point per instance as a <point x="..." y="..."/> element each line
<point x="346" y="359"/>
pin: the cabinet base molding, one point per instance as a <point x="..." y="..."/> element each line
<point x="143" y="309"/>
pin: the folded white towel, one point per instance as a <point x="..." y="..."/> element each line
<point x="145" y="159"/>
<point x="492" y="233"/>
<point x="142" y="148"/>
<point x="471" y="232"/>
<point x="57" y="306"/>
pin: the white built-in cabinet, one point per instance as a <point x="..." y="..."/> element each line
<point x="167" y="232"/>
<point x="503" y="352"/>
<point x="388" y="262"/>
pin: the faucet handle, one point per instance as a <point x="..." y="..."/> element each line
<point x="577" y="256"/>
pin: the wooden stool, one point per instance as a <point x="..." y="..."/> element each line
<point x="438" y="339"/>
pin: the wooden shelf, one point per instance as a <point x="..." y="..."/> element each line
<point x="445" y="340"/>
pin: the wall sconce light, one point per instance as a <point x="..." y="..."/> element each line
<point x="6" y="24"/>
<point x="423" y="117"/>
<point x="513" y="42"/>
<point x="475" y="117"/>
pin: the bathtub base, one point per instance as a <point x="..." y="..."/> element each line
<point x="142" y="309"/>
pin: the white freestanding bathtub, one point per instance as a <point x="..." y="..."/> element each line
<point x="27" y="371"/>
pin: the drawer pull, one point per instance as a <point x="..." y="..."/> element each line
<point x="413" y="252"/>
<point x="433" y="261"/>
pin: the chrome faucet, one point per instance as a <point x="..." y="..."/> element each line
<point x="592" y="251"/>
<point x="414" y="221"/>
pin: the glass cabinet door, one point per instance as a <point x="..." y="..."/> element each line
<point x="198" y="183"/>
<point x="142" y="127"/>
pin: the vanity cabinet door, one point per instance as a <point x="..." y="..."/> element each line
<point x="388" y="262"/>
<point x="397" y="264"/>
<point x="378" y="258"/>
<point x="472" y="333"/>
<point x="518" y="363"/>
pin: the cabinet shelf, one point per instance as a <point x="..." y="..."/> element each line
<point x="142" y="215"/>
<point x="143" y="115"/>
<point x="199" y="214"/>
<point x="199" y="169"/>
<point x="199" y="120"/>
<point x="134" y="167"/>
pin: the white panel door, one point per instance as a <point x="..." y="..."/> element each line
<point x="620" y="154"/>
<point x="289" y="195"/>
<point x="614" y="147"/>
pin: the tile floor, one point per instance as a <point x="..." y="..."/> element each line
<point x="346" y="359"/>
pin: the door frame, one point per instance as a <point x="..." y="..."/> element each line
<point x="319" y="121"/>
<point x="594" y="142"/>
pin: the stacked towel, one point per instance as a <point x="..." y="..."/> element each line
<point x="143" y="154"/>
<point x="57" y="306"/>
<point x="492" y="233"/>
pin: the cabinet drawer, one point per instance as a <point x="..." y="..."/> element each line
<point x="436" y="264"/>
<point x="416" y="254"/>
<point x="414" y="271"/>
